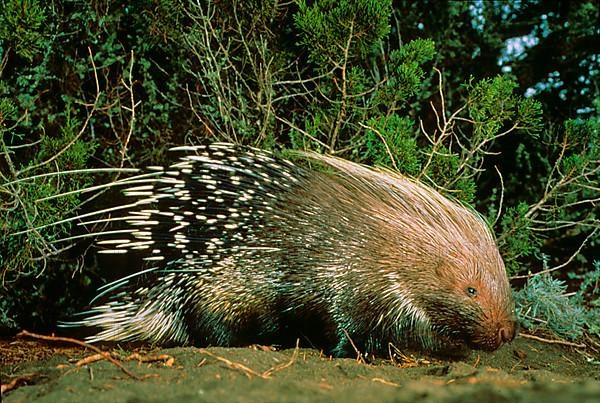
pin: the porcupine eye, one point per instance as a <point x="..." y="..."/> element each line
<point x="471" y="292"/>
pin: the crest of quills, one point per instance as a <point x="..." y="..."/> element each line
<point x="243" y="247"/>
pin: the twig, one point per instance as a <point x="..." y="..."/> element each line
<point x="304" y="132"/>
<point x="548" y="341"/>
<point x="385" y="382"/>
<point x="560" y="266"/>
<point x="501" y="196"/>
<point x="444" y="132"/>
<point x="4" y="60"/>
<point x="85" y="123"/>
<point x="342" y="112"/>
<point x="90" y="359"/>
<point x="16" y="382"/>
<point x="107" y="356"/>
<point x="359" y="356"/>
<point x="129" y="87"/>
<point x="387" y="148"/>
<point x="166" y="359"/>
<point x="73" y="171"/>
<point x="208" y="129"/>
<point x="276" y="368"/>
<point x="405" y="361"/>
<point x="549" y="190"/>
<point x="234" y="365"/>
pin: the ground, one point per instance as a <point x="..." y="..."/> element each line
<point x="525" y="370"/>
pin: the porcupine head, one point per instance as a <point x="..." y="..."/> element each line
<point x="433" y="276"/>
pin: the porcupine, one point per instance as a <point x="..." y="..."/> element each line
<point x="244" y="247"/>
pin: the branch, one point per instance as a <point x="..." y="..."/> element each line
<point x="83" y="128"/>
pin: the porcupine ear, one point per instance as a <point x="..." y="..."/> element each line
<point x="445" y="274"/>
<point x="441" y="268"/>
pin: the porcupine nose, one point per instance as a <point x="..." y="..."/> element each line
<point x="507" y="332"/>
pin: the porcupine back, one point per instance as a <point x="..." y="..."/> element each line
<point x="243" y="247"/>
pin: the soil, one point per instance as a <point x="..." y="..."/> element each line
<point x="523" y="371"/>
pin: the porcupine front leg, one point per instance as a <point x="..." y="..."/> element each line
<point x="349" y="336"/>
<point x="356" y="315"/>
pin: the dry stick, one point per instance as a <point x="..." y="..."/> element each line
<point x="434" y="142"/>
<point x="14" y="383"/>
<point x="548" y="341"/>
<point x="89" y="359"/>
<point x="477" y="361"/>
<point x="25" y="333"/>
<point x="129" y="87"/>
<point x="359" y="356"/>
<point x="549" y="190"/>
<point x="592" y="343"/>
<point x="225" y="103"/>
<point x="560" y="266"/>
<point x="234" y="365"/>
<point x="385" y="382"/>
<point x="501" y="196"/>
<point x="262" y="79"/>
<point x="4" y="60"/>
<point x="387" y="148"/>
<point x="249" y="371"/>
<point x="166" y="359"/>
<point x="85" y="123"/>
<point x="342" y="112"/>
<point x="276" y="368"/>
<point x="405" y="361"/>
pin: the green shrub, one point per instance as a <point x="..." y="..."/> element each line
<point x="544" y="304"/>
<point x="88" y="85"/>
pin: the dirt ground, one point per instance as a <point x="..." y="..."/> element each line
<point x="524" y="371"/>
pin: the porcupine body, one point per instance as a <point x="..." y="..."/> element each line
<point x="243" y="247"/>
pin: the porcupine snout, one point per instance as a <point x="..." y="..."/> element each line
<point x="508" y="330"/>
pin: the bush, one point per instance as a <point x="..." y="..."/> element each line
<point x="90" y="88"/>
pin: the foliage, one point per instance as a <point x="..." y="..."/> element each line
<point x="589" y="292"/>
<point x="336" y="31"/>
<point x="518" y="239"/>
<point x="543" y="304"/>
<point x="22" y="26"/>
<point x="397" y="134"/>
<point x="414" y="86"/>
<point x="566" y="193"/>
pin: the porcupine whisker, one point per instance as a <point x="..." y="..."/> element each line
<point x="188" y="148"/>
<point x="114" y="285"/>
<point x="122" y="307"/>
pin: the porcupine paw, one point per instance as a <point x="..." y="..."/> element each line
<point x="347" y="346"/>
<point x="343" y="349"/>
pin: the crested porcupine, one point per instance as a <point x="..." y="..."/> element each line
<point x="243" y="247"/>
